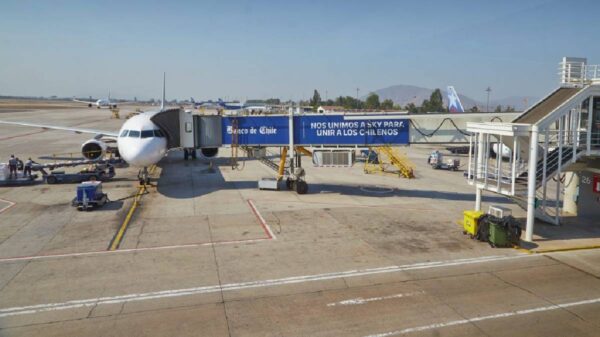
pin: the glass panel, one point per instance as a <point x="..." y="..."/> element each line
<point x="147" y="133"/>
<point x="134" y="134"/>
<point x="158" y="133"/>
<point x="124" y="133"/>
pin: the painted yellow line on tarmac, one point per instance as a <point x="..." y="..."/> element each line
<point x="556" y="250"/>
<point x="136" y="200"/>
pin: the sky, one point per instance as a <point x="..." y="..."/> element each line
<point x="286" y="49"/>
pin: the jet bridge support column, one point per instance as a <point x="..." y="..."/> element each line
<point x="295" y="181"/>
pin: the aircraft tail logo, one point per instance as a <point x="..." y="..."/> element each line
<point x="454" y="104"/>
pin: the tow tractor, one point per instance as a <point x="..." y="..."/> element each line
<point x="436" y="160"/>
<point x="102" y="172"/>
<point x="89" y="196"/>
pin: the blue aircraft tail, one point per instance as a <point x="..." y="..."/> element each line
<point x="454" y="104"/>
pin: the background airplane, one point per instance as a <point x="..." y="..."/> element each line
<point x="101" y="103"/>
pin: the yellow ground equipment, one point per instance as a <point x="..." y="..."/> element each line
<point x="385" y="159"/>
<point x="115" y="114"/>
<point x="470" y="222"/>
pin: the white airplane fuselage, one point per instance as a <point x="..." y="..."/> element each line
<point x="140" y="141"/>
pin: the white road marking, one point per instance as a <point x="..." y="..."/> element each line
<point x="118" y="251"/>
<point x="360" y="300"/>
<point x="32" y="309"/>
<point x="10" y="204"/>
<point x="484" y="318"/>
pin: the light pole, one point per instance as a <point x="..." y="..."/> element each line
<point x="357" y="105"/>
<point x="488" y="90"/>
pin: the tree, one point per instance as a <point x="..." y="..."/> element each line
<point x="436" y="103"/>
<point x="509" y="109"/>
<point x="498" y="109"/>
<point x="387" y="104"/>
<point x="315" y="100"/>
<point x="372" y="101"/>
<point x="412" y="108"/>
<point x="474" y="109"/>
<point x="425" y="106"/>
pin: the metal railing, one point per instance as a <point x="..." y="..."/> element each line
<point x="579" y="73"/>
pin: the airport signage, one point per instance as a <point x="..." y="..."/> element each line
<point x="315" y="130"/>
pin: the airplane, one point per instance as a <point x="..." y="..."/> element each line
<point x="220" y="104"/>
<point x="140" y="142"/>
<point x="454" y="105"/>
<point x="101" y="103"/>
<point x="204" y="104"/>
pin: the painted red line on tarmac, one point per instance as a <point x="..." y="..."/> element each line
<point x="10" y="204"/>
<point x="262" y="221"/>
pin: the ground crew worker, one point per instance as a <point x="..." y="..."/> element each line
<point x="27" y="167"/>
<point x="12" y="166"/>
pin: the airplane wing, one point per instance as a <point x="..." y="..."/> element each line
<point x="86" y="102"/>
<point x="64" y="128"/>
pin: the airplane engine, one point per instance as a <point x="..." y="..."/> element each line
<point x="93" y="149"/>
<point x="209" y="152"/>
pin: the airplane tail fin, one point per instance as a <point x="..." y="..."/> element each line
<point x="192" y="100"/>
<point x="454" y="104"/>
<point x="162" y="102"/>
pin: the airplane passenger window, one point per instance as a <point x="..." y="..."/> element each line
<point x="147" y="133"/>
<point x="124" y="133"/>
<point x="134" y="134"/>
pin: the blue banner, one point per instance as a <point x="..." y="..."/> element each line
<point x="349" y="130"/>
<point x="316" y="130"/>
<point x="256" y="130"/>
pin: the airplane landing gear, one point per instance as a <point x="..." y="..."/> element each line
<point x="189" y="153"/>
<point x="297" y="182"/>
<point x="144" y="176"/>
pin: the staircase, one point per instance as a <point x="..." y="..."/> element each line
<point x="552" y="164"/>
<point x="386" y="155"/>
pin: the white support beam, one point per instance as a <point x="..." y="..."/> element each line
<point x="533" y="149"/>
<point x="589" y="126"/>
<point x="561" y="126"/>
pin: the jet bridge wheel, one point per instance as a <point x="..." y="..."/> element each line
<point x="301" y="187"/>
<point x="186" y="154"/>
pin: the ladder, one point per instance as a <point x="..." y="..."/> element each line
<point x="387" y="156"/>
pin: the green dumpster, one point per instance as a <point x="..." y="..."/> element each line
<point x="499" y="235"/>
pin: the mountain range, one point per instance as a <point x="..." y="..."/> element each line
<point x="405" y="94"/>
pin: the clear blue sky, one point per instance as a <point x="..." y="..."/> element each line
<point x="260" y="49"/>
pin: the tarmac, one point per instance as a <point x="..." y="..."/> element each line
<point x="208" y="254"/>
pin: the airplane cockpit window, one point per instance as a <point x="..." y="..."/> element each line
<point x="134" y="134"/>
<point x="124" y="133"/>
<point x="147" y="133"/>
<point x="159" y="133"/>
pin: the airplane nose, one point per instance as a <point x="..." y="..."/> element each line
<point x="141" y="153"/>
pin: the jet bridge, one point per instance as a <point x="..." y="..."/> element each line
<point x="548" y="142"/>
